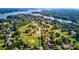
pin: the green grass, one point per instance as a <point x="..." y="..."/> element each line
<point x="1" y="43"/>
<point x="31" y="40"/>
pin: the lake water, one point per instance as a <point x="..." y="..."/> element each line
<point x="4" y="16"/>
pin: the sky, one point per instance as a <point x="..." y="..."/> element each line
<point x="39" y="3"/>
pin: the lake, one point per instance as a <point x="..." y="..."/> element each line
<point x="4" y="16"/>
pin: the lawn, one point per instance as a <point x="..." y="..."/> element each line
<point x="31" y="40"/>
